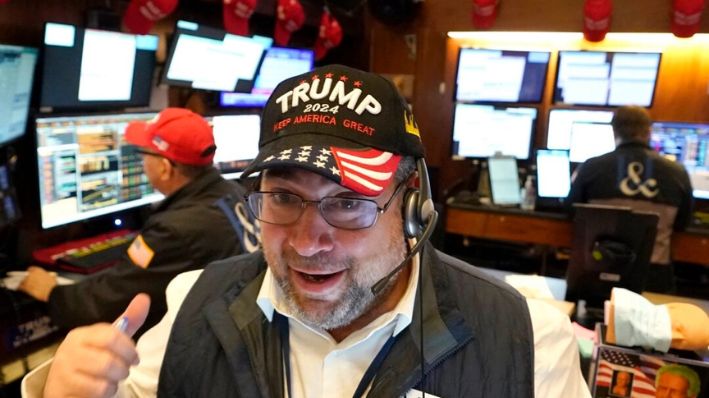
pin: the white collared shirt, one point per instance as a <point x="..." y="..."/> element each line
<point x="322" y="367"/>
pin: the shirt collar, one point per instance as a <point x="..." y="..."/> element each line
<point x="270" y="298"/>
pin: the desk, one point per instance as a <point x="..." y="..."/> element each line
<point x="552" y="229"/>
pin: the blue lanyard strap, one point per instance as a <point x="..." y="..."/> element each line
<point x="281" y="323"/>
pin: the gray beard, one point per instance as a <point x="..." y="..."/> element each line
<point x="355" y="302"/>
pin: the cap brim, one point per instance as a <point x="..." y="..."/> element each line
<point x="313" y="152"/>
<point x="136" y="134"/>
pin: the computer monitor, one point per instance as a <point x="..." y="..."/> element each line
<point x="501" y="75"/>
<point x="236" y="137"/>
<point x="561" y="121"/>
<point x="16" y="75"/>
<point x="611" y="248"/>
<point x="504" y="180"/>
<point x="88" y="68"/>
<point x="206" y="58"/>
<point x="86" y="169"/>
<point x="606" y="78"/>
<point x="278" y="64"/>
<point x="590" y="139"/>
<point x="686" y="143"/>
<point x="481" y="131"/>
<point x="553" y="173"/>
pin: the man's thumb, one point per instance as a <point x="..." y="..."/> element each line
<point x="134" y="315"/>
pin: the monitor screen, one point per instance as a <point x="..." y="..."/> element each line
<point x="688" y="144"/>
<point x="86" y="169"/>
<point x="236" y="137"/>
<point x="481" y="131"/>
<point x="590" y="139"/>
<point x="88" y="68"/>
<point x="504" y="180"/>
<point x="553" y="173"/>
<point x="278" y="64"/>
<point x="561" y="122"/>
<point x="207" y="58"/>
<point x="501" y="75"/>
<point x="16" y="74"/>
<point x="606" y="78"/>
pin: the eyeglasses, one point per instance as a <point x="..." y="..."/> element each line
<point x="283" y="208"/>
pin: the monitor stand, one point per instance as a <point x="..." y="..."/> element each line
<point x="587" y="316"/>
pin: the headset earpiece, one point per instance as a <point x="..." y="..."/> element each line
<point x="412" y="219"/>
<point x="418" y="203"/>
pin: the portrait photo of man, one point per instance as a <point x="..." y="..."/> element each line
<point x="622" y="383"/>
<point x="677" y="381"/>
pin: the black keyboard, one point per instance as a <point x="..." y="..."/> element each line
<point x="97" y="256"/>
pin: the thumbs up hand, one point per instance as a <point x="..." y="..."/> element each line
<point x="92" y="360"/>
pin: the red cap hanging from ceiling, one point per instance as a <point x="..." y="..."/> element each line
<point x="330" y="35"/>
<point x="289" y="18"/>
<point x="686" y="17"/>
<point x="236" y="14"/>
<point x="596" y="19"/>
<point x="484" y="13"/>
<point x="141" y="15"/>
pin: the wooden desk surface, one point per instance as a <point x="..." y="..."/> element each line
<point x="550" y="229"/>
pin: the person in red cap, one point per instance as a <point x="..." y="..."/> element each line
<point x="187" y="230"/>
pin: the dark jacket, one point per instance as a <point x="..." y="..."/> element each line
<point x="636" y="176"/>
<point x="477" y="337"/>
<point x="186" y="231"/>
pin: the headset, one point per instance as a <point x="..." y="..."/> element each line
<point x="419" y="219"/>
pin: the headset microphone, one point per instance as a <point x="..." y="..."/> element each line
<point x="430" y="226"/>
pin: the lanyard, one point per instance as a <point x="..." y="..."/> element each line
<point x="283" y="331"/>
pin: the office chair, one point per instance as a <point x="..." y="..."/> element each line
<point x="611" y="247"/>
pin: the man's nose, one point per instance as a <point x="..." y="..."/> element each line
<point x="311" y="234"/>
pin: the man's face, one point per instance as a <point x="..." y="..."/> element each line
<point x="672" y="385"/>
<point x="622" y="379"/>
<point x="152" y="167"/>
<point x="325" y="272"/>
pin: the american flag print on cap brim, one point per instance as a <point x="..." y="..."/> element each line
<point x="367" y="172"/>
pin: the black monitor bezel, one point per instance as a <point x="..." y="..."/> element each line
<point x="242" y="85"/>
<point x="141" y="101"/>
<point x="488" y="101"/>
<point x="554" y="95"/>
<point x="35" y="143"/>
<point x="533" y="133"/>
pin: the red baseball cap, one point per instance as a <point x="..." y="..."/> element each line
<point x="236" y="14"/>
<point x="330" y="35"/>
<point x="142" y="14"/>
<point x="289" y="18"/>
<point x="177" y="134"/>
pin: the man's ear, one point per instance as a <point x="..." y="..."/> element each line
<point x="167" y="169"/>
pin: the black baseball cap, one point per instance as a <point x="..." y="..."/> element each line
<point x="345" y="124"/>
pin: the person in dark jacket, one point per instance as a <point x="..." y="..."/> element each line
<point x="635" y="176"/>
<point x="186" y="231"/>
<point x="346" y="298"/>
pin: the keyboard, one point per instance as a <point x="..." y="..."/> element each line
<point x="89" y="255"/>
